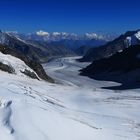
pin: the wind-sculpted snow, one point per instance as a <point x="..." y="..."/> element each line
<point x="5" y="114"/>
<point x="74" y="109"/>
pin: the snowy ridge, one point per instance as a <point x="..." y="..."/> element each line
<point x="58" y="36"/>
<point x="138" y="35"/>
<point x="134" y="39"/>
<point x="18" y="65"/>
<point x="55" y="36"/>
<point x="5" y="37"/>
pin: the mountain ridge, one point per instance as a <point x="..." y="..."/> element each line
<point x="36" y="66"/>
<point x="122" y="67"/>
<point x="108" y="49"/>
<point x="34" y="51"/>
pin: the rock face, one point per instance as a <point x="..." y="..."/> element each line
<point x="50" y="50"/>
<point x="30" y="74"/>
<point x="123" y="67"/>
<point x="63" y="44"/>
<point x="110" y="48"/>
<point x="36" y="66"/>
<point x="6" y="68"/>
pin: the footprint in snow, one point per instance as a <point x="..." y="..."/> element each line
<point x="5" y="114"/>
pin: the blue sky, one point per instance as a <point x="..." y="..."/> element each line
<point x="78" y="16"/>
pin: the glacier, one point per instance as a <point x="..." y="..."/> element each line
<point x="74" y="108"/>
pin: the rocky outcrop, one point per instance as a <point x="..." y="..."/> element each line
<point x="35" y="65"/>
<point x="36" y="50"/>
<point x="30" y="74"/>
<point x="6" y="68"/>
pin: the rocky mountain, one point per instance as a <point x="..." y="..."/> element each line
<point x="75" y="45"/>
<point x="58" y="36"/>
<point x="15" y="62"/>
<point x="134" y="39"/>
<point x="122" y="67"/>
<point x="71" y="41"/>
<point x="51" y="50"/>
<point x="112" y="47"/>
<point x="34" y="50"/>
<point x="21" y="46"/>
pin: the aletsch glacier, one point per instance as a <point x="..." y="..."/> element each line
<point x="75" y="108"/>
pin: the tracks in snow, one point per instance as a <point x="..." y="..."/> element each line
<point x="5" y="115"/>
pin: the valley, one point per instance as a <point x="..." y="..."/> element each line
<point x="57" y="100"/>
<point x="75" y="107"/>
<point x="66" y="71"/>
<point x="69" y="70"/>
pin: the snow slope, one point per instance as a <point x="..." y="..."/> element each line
<point x="18" y="65"/>
<point x="75" y="109"/>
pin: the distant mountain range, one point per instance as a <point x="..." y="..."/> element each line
<point x="70" y="41"/>
<point x="112" y="47"/>
<point x="41" y="46"/>
<point x="58" y="36"/>
<point x="35" y="50"/>
<point x="117" y="60"/>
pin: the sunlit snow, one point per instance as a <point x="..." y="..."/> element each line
<point x="75" y="108"/>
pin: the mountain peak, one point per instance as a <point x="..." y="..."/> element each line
<point x="133" y="39"/>
<point x="42" y="33"/>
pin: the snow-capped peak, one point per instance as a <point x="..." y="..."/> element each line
<point x="105" y="37"/>
<point x="138" y="35"/>
<point x="42" y="33"/>
<point x="91" y="35"/>
<point x="134" y="39"/>
<point x="54" y="36"/>
<point x="12" y="32"/>
<point x="128" y="40"/>
<point x="56" y="33"/>
<point x="3" y="38"/>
